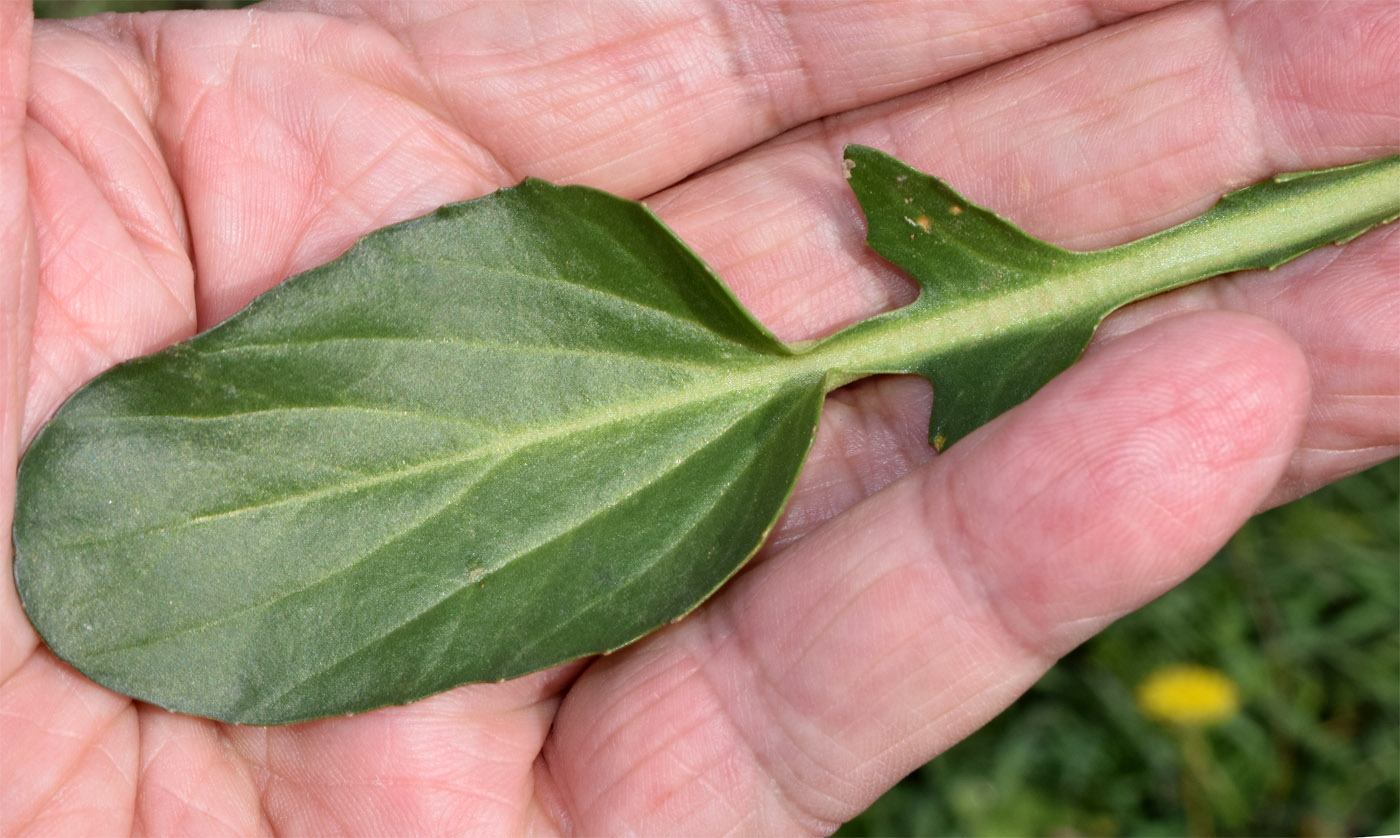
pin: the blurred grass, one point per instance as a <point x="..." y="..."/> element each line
<point x="1301" y="610"/>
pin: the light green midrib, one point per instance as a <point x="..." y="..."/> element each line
<point x="1090" y="285"/>
<point x="1308" y="212"/>
<point x="758" y="377"/>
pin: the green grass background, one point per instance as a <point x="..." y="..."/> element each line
<point x="1301" y="610"/>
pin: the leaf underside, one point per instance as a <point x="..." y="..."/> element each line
<point x="963" y="256"/>
<point x="517" y="431"/>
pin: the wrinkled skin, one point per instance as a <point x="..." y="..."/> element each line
<point x="178" y="164"/>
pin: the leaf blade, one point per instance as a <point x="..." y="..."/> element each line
<point x="282" y="477"/>
<point x="991" y="289"/>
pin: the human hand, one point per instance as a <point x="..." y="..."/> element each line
<point x="179" y="164"/>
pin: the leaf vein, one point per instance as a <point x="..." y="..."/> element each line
<point x="602" y="510"/>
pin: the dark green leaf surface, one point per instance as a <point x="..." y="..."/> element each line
<point x="520" y="430"/>
<point x="525" y="429"/>
<point x="963" y="255"/>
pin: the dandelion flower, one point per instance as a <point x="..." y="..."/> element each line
<point x="1188" y="694"/>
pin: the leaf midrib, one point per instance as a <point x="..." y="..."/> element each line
<point x="681" y="395"/>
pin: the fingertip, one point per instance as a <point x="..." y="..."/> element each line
<point x="1126" y="473"/>
<point x="1211" y="389"/>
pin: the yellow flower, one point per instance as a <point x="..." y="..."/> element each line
<point x="1188" y="694"/>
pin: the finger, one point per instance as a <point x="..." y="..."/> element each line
<point x="1323" y="79"/>
<point x="18" y="284"/>
<point x="1353" y="352"/>
<point x="290" y="135"/>
<point x="191" y="781"/>
<point x="459" y="762"/>
<point x="63" y="740"/>
<point x="631" y="96"/>
<point x="114" y="274"/>
<point x="69" y="746"/>
<point x="1340" y="306"/>
<point x="826" y="673"/>
<point x="872" y="433"/>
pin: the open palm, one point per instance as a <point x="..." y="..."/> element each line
<point x="179" y="164"/>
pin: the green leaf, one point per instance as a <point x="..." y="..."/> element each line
<point x="1001" y="313"/>
<point x="521" y="430"/>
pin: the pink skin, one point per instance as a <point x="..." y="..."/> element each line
<point x="178" y="164"/>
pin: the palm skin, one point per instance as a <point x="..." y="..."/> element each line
<point x="178" y="164"/>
